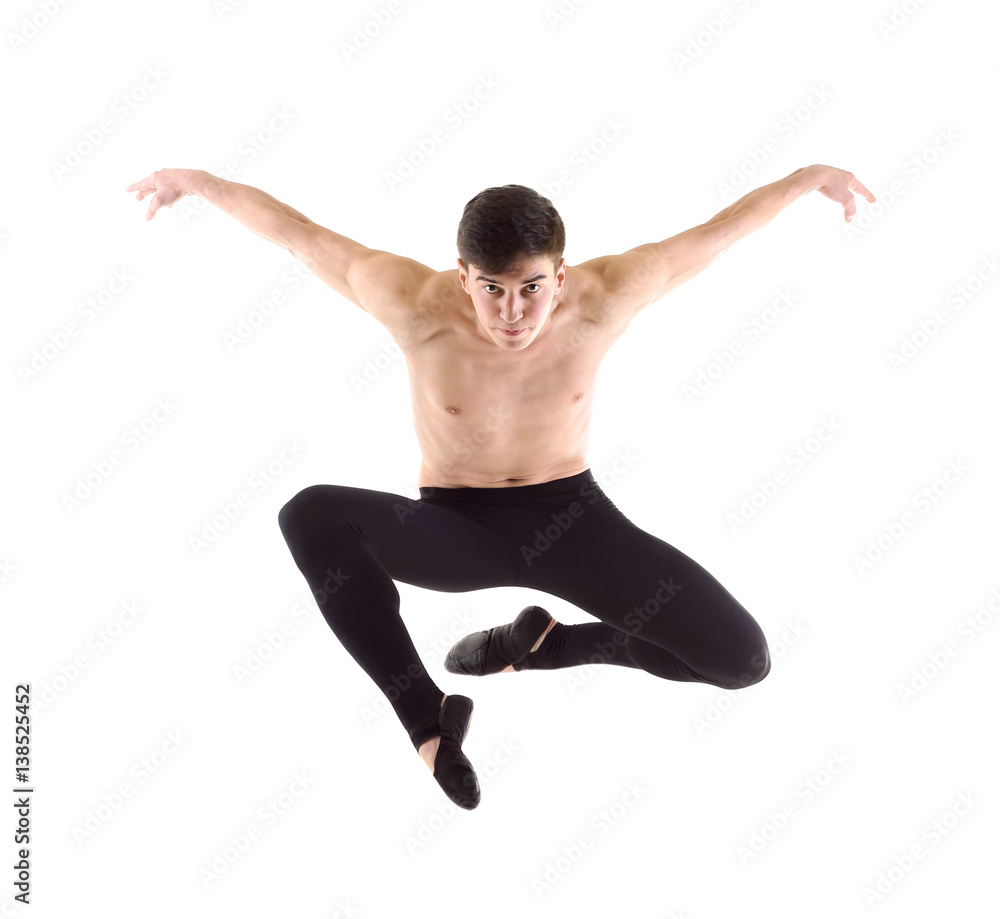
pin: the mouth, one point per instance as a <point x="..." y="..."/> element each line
<point x="512" y="334"/>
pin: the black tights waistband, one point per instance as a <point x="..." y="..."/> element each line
<point x="567" y="487"/>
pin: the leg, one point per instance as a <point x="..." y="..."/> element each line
<point x="659" y="609"/>
<point x="351" y="543"/>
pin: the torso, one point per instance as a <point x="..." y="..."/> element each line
<point x="490" y="418"/>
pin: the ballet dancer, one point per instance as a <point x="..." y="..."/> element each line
<point x="502" y="353"/>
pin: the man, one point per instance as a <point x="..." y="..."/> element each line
<point x="502" y="354"/>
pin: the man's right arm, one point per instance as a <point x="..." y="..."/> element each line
<point x="384" y="285"/>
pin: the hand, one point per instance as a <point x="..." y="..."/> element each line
<point x="165" y="186"/>
<point x="840" y="186"/>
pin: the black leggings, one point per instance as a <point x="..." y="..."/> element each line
<point x="659" y="610"/>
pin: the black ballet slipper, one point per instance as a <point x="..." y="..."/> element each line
<point x="491" y="651"/>
<point x="452" y="769"/>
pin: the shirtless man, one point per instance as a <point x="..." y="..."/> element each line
<point x="502" y="353"/>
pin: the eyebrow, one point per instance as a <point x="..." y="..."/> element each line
<point x="537" y="277"/>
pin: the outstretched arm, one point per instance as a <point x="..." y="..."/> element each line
<point x="379" y="282"/>
<point x="642" y="275"/>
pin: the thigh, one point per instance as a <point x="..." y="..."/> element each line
<point x="417" y="542"/>
<point x="638" y="583"/>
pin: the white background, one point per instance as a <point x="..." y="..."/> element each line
<point x="372" y="834"/>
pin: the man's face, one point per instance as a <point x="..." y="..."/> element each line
<point x="518" y="301"/>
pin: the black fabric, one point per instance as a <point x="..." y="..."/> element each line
<point x="658" y="609"/>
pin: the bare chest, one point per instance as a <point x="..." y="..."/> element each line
<point x="458" y="387"/>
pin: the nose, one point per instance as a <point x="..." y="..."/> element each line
<point x="510" y="312"/>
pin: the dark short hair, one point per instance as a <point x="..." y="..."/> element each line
<point x="502" y="224"/>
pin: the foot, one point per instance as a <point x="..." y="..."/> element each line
<point x="444" y="757"/>
<point x="429" y="748"/>
<point x="502" y="648"/>
<point x="510" y="668"/>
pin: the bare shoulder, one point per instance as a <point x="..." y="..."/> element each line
<point x="423" y="301"/>
<point x="395" y="290"/>
<point x="589" y="294"/>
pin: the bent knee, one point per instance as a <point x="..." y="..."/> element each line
<point x="758" y="668"/>
<point x="301" y="508"/>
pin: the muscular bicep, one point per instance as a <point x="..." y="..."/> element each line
<point x="381" y="283"/>
<point x="389" y="287"/>
<point x="636" y="278"/>
<point x="326" y="254"/>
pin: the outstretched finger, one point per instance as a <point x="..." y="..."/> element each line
<point x="142" y="183"/>
<point x="857" y="186"/>
<point x="154" y="206"/>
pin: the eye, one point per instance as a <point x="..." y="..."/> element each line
<point x="485" y="286"/>
<point x="539" y="286"/>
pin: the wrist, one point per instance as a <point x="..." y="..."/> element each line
<point x="812" y="177"/>
<point x="198" y="182"/>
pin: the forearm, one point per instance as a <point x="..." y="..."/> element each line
<point x="760" y="206"/>
<point x="254" y="208"/>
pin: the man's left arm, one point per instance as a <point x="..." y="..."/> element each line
<point x="642" y="275"/>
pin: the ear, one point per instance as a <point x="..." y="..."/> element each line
<point x="560" y="275"/>
<point x="463" y="276"/>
